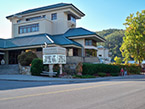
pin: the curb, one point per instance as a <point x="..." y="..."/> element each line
<point x="79" y="80"/>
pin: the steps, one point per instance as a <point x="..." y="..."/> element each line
<point x="9" y="69"/>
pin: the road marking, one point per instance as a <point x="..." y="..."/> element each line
<point x="60" y="91"/>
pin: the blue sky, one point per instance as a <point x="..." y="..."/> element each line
<point x="100" y="14"/>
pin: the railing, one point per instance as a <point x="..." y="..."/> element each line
<point x="77" y="59"/>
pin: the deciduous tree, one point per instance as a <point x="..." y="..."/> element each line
<point x="133" y="45"/>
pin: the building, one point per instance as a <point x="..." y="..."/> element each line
<point x="54" y="25"/>
<point x="103" y="54"/>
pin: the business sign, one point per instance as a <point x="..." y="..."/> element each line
<point x="54" y="55"/>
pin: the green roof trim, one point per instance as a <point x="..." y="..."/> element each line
<point x="45" y="8"/>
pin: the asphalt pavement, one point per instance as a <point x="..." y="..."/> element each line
<point x="127" y="93"/>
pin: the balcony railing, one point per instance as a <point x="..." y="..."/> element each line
<point x="77" y="59"/>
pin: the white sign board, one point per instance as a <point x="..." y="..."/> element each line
<point x="54" y="55"/>
<point x="54" y="59"/>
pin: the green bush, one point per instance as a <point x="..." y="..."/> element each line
<point x="114" y="74"/>
<point x="36" y="67"/>
<point x="101" y="74"/>
<point x="46" y="68"/>
<point x="26" y="58"/>
<point x="93" y="69"/>
<point x="131" y="68"/>
<point x="56" y="68"/>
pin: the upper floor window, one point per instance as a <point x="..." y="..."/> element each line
<point x="28" y="28"/>
<point x="54" y="16"/>
<point x="35" y="18"/>
<point x="70" y="17"/>
<point x="90" y="42"/>
<point x="18" y="21"/>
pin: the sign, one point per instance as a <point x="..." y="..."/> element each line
<point x="54" y="59"/>
<point x="54" y="55"/>
<point x="54" y="50"/>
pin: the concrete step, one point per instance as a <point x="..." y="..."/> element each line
<point x="9" y="69"/>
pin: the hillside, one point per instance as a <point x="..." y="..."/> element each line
<point x="114" y="38"/>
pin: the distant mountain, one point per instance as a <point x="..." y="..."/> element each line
<point x="114" y="38"/>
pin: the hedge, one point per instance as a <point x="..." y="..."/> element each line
<point x="36" y="66"/>
<point x="93" y="69"/>
<point x="131" y="68"/>
<point x="112" y="69"/>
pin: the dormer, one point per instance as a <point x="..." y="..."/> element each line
<point x="52" y="19"/>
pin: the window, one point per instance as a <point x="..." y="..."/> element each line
<point x="35" y="18"/>
<point x="54" y="16"/>
<point x="39" y="49"/>
<point x="70" y="17"/>
<point x="75" y="52"/>
<point x="28" y="28"/>
<point x="100" y="55"/>
<point x="90" y="42"/>
<point x="18" y="21"/>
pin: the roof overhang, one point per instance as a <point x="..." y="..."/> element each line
<point x="71" y="46"/>
<point x="94" y="37"/>
<point x="71" y="6"/>
<point x="28" y="47"/>
<point x="38" y="46"/>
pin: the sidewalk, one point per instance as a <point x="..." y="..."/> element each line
<point x="48" y="79"/>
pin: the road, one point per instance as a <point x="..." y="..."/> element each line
<point x="114" y="94"/>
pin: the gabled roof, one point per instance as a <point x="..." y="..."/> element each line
<point x="78" y="32"/>
<point x="34" y="40"/>
<point x="62" y="40"/>
<point x="45" y="8"/>
<point x="40" y="39"/>
<point x="27" y="41"/>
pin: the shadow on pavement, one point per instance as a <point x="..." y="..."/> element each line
<point x="10" y="85"/>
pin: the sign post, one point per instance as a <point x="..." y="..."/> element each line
<point x="54" y="55"/>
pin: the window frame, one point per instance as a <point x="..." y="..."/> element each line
<point x="54" y="16"/>
<point x="28" y="28"/>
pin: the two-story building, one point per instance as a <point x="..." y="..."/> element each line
<point x="103" y="54"/>
<point x="54" y="25"/>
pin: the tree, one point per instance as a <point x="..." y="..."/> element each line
<point x="26" y="58"/>
<point x="114" y="39"/>
<point x="133" y="45"/>
<point x="118" y="60"/>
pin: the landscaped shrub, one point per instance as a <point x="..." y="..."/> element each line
<point x="26" y="58"/>
<point x="131" y="68"/>
<point x="93" y="69"/>
<point x="102" y="74"/>
<point x="36" y="67"/>
<point x="79" y="68"/>
<point x="114" y="74"/>
<point x="56" y="68"/>
<point x="46" y="68"/>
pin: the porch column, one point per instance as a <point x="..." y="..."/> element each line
<point x="83" y="54"/>
<point x="6" y="57"/>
